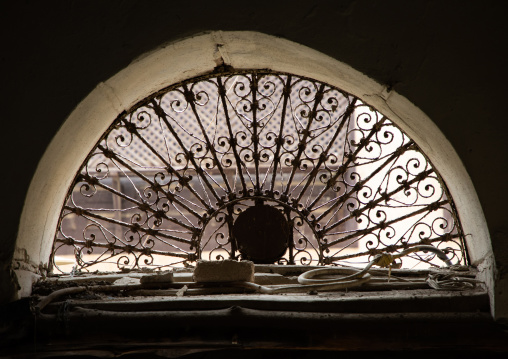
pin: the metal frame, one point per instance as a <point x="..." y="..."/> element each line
<point x="193" y="156"/>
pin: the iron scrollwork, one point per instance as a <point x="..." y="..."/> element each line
<point x="167" y="182"/>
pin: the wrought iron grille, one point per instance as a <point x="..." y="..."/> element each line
<point x="256" y="165"/>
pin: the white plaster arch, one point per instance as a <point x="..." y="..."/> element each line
<point x="200" y="54"/>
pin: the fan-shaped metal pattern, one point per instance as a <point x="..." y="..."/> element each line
<point x="167" y="182"/>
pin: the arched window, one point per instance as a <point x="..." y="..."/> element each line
<point x="206" y="136"/>
<point x="254" y="164"/>
<point x="245" y="146"/>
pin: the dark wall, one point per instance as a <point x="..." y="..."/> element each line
<point x="444" y="56"/>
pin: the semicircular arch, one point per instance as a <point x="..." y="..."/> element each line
<point x="200" y="55"/>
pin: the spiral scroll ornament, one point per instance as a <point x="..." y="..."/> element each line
<point x="178" y="177"/>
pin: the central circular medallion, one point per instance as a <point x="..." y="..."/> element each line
<point x="261" y="233"/>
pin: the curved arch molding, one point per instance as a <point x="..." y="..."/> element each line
<point x="198" y="55"/>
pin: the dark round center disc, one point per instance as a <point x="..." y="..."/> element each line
<point x="261" y="233"/>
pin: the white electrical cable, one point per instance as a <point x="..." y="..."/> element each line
<point x="354" y="277"/>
